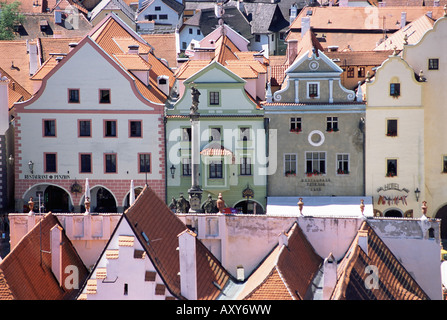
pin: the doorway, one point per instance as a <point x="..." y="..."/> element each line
<point x="56" y="199"/>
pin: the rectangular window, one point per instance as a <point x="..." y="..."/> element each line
<point x="391" y="167"/>
<point x="315" y="162"/>
<point x="104" y="96"/>
<point x="361" y="72"/>
<point x="151" y="17"/>
<point x="163" y="17"/>
<point x="135" y="129"/>
<point x="214" y="98"/>
<point x="350" y="72"/>
<point x="244" y="134"/>
<point x="215" y="169"/>
<point x="198" y="32"/>
<point x="245" y="166"/>
<point x="257" y="38"/>
<point x="295" y="125"/>
<point x="433" y="64"/>
<point x="184" y="45"/>
<point x="186" y="167"/>
<point x="73" y="96"/>
<point x="85" y="163"/>
<point x="312" y="90"/>
<point x="394" y="89"/>
<point x="49" y="128"/>
<point x="186" y="134"/>
<point x="50" y="162"/>
<point x="342" y="163"/>
<point x="110" y="128"/>
<point x="126" y="289"/>
<point x="190" y="30"/>
<point x="444" y="164"/>
<point x="157" y="8"/>
<point x="85" y="128"/>
<point x="144" y="162"/>
<point x="391" y="127"/>
<point x="332" y="124"/>
<point x="290" y="164"/>
<point x="110" y="162"/>
<point x="215" y="134"/>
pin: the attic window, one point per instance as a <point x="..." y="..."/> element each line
<point x="162" y="81"/>
<point x="104" y="96"/>
<point x="433" y="64"/>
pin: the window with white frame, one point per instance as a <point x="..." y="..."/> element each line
<point x="313" y="90"/>
<point x="186" y="167"/>
<point x="215" y="169"/>
<point x="315" y="162"/>
<point x="290" y="164"/>
<point x="331" y="124"/>
<point x="245" y="166"/>
<point x="295" y="124"/>
<point x="342" y="163"/>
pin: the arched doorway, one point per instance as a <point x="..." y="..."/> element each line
<point x="137" y="191"/>
<point x="105" y="202"/>
<point x="56" y="199"/>
<point x="393" y="213"/>
<point x="442" y="214"/>
<point x="249" y="207"/>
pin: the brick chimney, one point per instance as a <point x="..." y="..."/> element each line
<point x="188" y="264"/>
<point x="56" y="252"/>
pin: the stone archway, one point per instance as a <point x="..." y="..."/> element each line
<point x="442" y="214"/>
<point x="249" y="207"/>
<point x="105" y="201"/>
<point x="56" y="199"/>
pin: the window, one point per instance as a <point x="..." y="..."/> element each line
<point x="444" y="164"/>
<point x="289" y="164"/>
<point x="257" y="38"/>
<point x="190" y="30"/>
<point x="110" y="162"/>
<point x="110" y="128"/>
<point x="342" y="163"/>
<point x="295" y="125"/>
<point x="126" y="289"/>
<point x="361" y="72"/>
<point x="150" y="17"/>
<point x="244" y="133"/>
<point x="186" y="134"/>
<point x="163" y="17"/>
<point x="215" y="169"/>
<point x="186" y="166"/>
<point x="49" y="128"/>
<point x="433" y="64"/>
<point x="73" y="96"/>
<point x="245" y="166"/>
<point x="394" y="89"/>
<point x="184" y="45"/>
<point x="144" y="163"/>
<point x="391" y="127"/>
<point x="84" y="127"/>
<point x="158" y="8"/>
<point x="391" y="167"/>
<point x="135" y="129"/>
<point x="50" y="163"/>
<point x="350" y="72"/>
<point x="215" y="134"/>
<point x="85" y="163"/>
<point x="332" y="124"/>
<point x="104" y="96"/>
<point x="198" y="32"/>
<point x="315" y="163"/>
<point x="214" y="98"/>
<point x="313" y="90"/>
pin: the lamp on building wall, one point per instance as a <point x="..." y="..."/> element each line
<point x="417" y="192"/>
<point x="172" y="168"/>
<point x="11" y="160"/>
<point x="31" y="166"/>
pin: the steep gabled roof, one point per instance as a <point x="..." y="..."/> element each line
<point x="287" y="272"/>
<point x="150" y="218"/>
<point x="16" y="92"/>
<point x="394" y="281"/>
<point x="25" y="273"/>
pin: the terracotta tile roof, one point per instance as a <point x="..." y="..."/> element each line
<point x="414" y="32"/>
<point x="16" y="92"/>
<point x="287" y="272"/>
<point x="215" y="149"/>
<point x="359" y="58"/>
<point x="151" y="218"/>
<point x="133" y="62"/>
<point x="190" y="68"/>
<point x="28" y="278"/>
<point x="46" y="67"/>
<point x="164" y="47"/>
<point x="396" y="283"/>
<point x="55" y="45"/>
<point x="14" y="59"/>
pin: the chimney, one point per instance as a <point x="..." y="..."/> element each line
<point x="436" y="3"/>
<point x="240" y="273"/>
<point x="363" y="240"/>
<point x="4" y="105"/>
<point x="292" y="48"/>
<point x="403" y="19"/>
<point x="133" y="49"/>
<point x="163" y="84"/>
<point x="218" y="10"/>
<point x="33" y="59"/>
<point x="305" y="25"/>
<point x="329" y="276"/>
<point x="293" y="13"/>
<point x="56" y="252"/>
<point x="188" y="264"/>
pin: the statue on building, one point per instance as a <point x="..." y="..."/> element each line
<point x="195" y="99"/>
<point x="173" y="205"/>
<point x="182" y="205"/>
<point x="220" y="203"/>
<point x="210" y="205"/>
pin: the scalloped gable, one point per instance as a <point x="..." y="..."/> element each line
<point x="315" y="62"/>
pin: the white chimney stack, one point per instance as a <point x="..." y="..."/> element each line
<point x="305" y="25"/>
<point x="363" y="240"/>
<point x="56" y="252"/>
<point x="403" y="19"/>
<point x="293" y="13"/>
<point x="329" y="276"/>
<point x="188" y="264"/>
<point x="4" y="105"/>
<point x="133" y="49"/>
